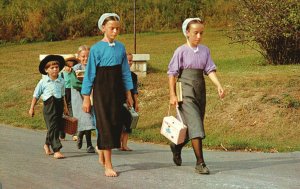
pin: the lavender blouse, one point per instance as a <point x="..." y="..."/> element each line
<point x="185" y="58"/>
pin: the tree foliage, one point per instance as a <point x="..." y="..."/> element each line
<point x="273" y="25"/>
<point x="49" y="20"/>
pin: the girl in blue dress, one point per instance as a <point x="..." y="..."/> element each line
<point x="108" y="74"/>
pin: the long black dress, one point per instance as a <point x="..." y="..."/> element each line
<point x="109" y="95"/>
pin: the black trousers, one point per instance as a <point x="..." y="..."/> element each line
<point x="53" y="111"/>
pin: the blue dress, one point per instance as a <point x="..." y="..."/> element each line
<point x="85" y="120"/>
<point x="108" y="74"/>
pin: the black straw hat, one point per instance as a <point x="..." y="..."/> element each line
<point x="49" y="58"/>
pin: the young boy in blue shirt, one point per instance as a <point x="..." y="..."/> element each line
<point x="52" y="89"/>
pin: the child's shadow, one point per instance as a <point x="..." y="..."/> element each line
<point x="217" y="167"/>
<point x="78" y="154"/>
<point x="144" y="166"/>
<point x="135" y="152"/>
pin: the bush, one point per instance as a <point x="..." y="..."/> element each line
<point x="273" y="25"/>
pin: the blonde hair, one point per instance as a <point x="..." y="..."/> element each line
<point x="83" y="48"/>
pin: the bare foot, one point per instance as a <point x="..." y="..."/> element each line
<point x="74" y="138"/>
<point x="47" y="150"/>
<point x="109" y="172"/>
<point x="58" y="155"/>
<point x="101" y="157"/>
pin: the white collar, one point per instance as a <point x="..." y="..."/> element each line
<point x="48" y="79"/>
<point x="195" y="50"/>
<point x="111" y="44"/>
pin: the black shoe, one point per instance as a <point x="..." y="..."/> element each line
<point x="201" y="169"/>
<point x="79" y="143"/>
<point x="176" y="155"/>
<point x="90" y="149"/>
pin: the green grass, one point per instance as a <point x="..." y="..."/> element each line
<point x="261" y="110"/>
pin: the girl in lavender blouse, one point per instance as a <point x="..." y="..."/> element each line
<point x="188" y="65"/>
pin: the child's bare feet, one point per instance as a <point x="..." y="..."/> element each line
<point x="109" y="172"/>
<point x="58" y="155"/>
<point x="101" y="157"/>
<point x="47" y="150"/>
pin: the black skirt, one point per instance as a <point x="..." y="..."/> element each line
<point x="109" y="95"/>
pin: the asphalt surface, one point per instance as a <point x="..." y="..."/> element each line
<point x="23" y="164"/>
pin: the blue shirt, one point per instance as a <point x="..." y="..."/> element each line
<point x="101" y="54"/>
<point x="48" y="87"/>
<point x="78" y="66"/>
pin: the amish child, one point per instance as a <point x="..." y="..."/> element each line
<point x="134" y="94"/>
<point x="108" y="74"/>
<point x="190" y="62"/>
<point x="70" y="61"/>
<point x="52" y="89"/>
<point x="85" y="119"/>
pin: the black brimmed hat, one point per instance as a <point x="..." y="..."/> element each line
<point x="49" y="58"/>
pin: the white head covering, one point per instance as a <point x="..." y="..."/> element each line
<point x="186" y="22"/>
<point x="104" y="16"/>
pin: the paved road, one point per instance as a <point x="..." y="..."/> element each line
<point x="24" y="165"/>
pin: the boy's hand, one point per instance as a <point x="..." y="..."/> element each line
<point x="66" y="111"/>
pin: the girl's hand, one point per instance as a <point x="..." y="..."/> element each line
<point x="31" y="112"/>
<point x="129" y="101"/>
<point x="136" y="108"/>
<point x="86" y="105"/>
<point x="221" y="92"/>
<point x="173" y="100"/>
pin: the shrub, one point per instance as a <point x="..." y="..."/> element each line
<point x="273" y="25"/>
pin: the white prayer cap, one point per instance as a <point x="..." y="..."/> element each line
<point x="104" y="16"/>
<point x="186" y="22"/>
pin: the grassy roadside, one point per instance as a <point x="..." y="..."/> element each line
<point x="260" y="112"/>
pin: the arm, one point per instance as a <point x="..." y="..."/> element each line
<point x="33" y="103"/>
<point x="172" y="87"/>
<point x="129" y="100"/>
<point x="213" y="77"/>
<point x="135" y="99"/>
<point x="66" y="111"/>
<point x="86" y="105"/>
